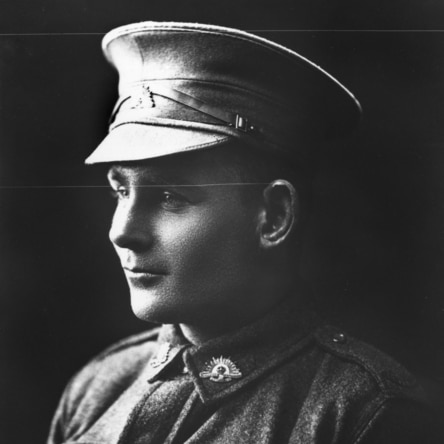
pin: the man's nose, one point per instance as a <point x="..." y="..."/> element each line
<point x="130" y="228"/>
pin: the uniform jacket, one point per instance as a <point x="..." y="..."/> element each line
<point x="283" y="379"/>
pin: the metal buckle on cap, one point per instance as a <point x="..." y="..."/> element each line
<point x="242" y="124"/>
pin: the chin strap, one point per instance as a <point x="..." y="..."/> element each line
<point x="146" y="100"/>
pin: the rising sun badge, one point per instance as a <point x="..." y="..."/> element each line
<point x="221" y="370"/>
<point x="144" y="99"/>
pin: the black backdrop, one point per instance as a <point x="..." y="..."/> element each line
<point x="374" y="249"/>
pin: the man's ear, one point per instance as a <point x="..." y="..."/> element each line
<point x="280" y="213"/>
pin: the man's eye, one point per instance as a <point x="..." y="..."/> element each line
<point x="172" y="200"/>
<point x="120" y="192"/>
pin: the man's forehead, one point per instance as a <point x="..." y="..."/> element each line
<point x="146" y="173"/>
<point x="166" y="171"/>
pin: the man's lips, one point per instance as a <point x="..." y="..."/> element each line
<point x="142" y="278"/>
<point x="137" y="271"/>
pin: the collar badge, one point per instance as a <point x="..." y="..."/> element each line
<point x="162" y="355"/>
<point x="221" y="370"/>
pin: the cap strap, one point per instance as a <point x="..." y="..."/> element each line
<point x="231" y="119"/>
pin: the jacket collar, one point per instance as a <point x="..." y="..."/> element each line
<point x="224" y="365"/>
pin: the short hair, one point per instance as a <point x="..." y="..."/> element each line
<point x="255" y="166"/>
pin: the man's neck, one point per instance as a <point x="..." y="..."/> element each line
<point x="199" y="334"/>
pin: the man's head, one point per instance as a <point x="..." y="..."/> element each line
<point x="200" y="238"/>
<point x="210" y="149"/>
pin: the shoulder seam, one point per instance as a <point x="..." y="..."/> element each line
<point x="357" y="434"/>
<point x="382" y="378"/>
<point x="356" y="361"/>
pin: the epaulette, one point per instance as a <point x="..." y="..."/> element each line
<point x="130" y="341"/>
<point x="388" y="373"/>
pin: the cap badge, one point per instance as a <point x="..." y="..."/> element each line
<point x="221" y="370"/>
<point x="162" y="355"/>
<point x="143" y="99"/>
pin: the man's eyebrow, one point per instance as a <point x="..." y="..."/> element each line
<point x="115" y="174"/>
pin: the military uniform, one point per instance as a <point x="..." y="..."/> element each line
<point x="287" y="379"/>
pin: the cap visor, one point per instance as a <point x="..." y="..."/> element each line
<point x="132" y="141"/>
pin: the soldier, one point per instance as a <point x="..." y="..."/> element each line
<point x="210" y="152"/>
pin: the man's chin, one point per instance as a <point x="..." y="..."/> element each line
<point x="150" y="306"/>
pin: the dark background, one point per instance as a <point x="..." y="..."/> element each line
<point x="374" y="252"/>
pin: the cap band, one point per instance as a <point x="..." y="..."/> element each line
<point x="231" y="119"/>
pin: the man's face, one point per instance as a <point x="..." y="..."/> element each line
<point x="189" y="252"/>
